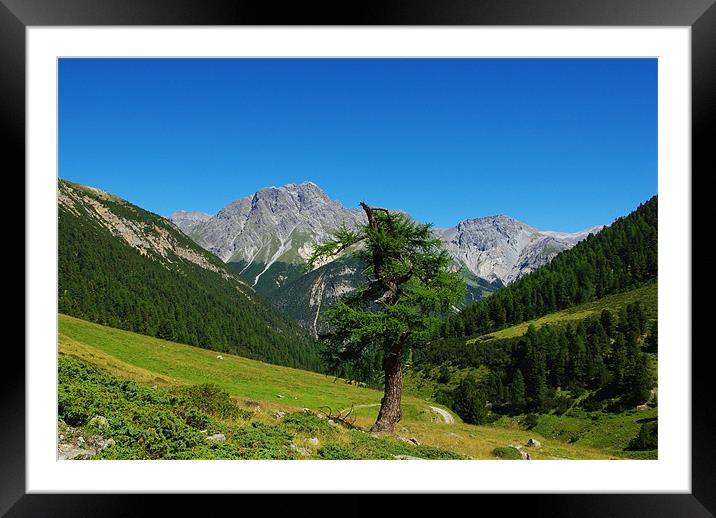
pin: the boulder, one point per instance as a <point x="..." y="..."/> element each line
<point x="534" y="443"/>
<point x="278" y="414"/>
<point x="219" y="437"/>
<point x="69" y="452"/>
<point x="312" y="440"/>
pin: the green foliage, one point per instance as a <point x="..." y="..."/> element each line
<point x="409" y="286"/>
<point x="530" y="421"/>
<point x="335" y="452"/>
<point x="154" y="423"/>
<point x="308" y="423"/>
<point x="648" y="437"/>
<point x="105" y="280"/>
<point x="145" y="423"/>
<point x="507" y="453"/>
<point x="577" y="356"/>
<point x="619" y="258"/>
<point x="213" y="400"/>
<point x="469" y="401"/>
<point x="365" y="446"/>
<point x="517" y="391"/>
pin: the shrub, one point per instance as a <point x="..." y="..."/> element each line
<point x="507" y="453"/>
<point x="364" y="446"/>
<point x="145" y="423"/>
<point x="335" y="452"/>
<point x="308" y="424"/>
<point x="211" y="399"/>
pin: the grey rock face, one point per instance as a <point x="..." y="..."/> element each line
<point x="280" y="225"/>
<point x="269" y="235"/>
<point x="272" y="222"/>
<point x="187" y="220"/>
<point x="502" y="248"/>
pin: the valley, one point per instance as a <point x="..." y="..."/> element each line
<point x="256" y="387"/>
<point x="206" y="326"/>
<point x="266" y="238"/>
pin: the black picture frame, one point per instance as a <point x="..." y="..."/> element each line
<point x="700" y="15"/>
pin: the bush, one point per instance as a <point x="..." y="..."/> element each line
<point x="469" y="401"/>
<point x="263" y="441"/>
<point x="308" y="424"/>
<point x="154" y="423"/>
<point x="335" y="452"/>
<point x="507" y="453"/>
<point x="364" y="446"/>
<point x="212" y="400"/>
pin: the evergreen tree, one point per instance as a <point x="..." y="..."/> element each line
<point x="410" y="285"/>
<point x="469" y="401"/>
<point x="652" y="340"/>
<point x="517" y="391"/>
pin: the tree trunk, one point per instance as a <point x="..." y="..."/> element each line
<point x="390" y="412"/>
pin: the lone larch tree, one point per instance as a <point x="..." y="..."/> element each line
<point x="410" y="286"/>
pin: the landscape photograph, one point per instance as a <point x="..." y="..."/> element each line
<point x="357" y="259"/>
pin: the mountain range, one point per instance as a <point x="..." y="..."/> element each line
<point x="266" y="238"/>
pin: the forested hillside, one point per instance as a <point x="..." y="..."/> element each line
<point x="125" y="267"/>
<point x="619" y="258"/>
<point x="607" y="354"/>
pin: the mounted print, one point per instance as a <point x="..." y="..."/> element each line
<point x="358" y="259"/>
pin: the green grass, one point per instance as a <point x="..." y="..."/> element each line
<point x="164" y="362"/>
<point x="151" y="362"/>
<point x="610" y="433"/>
<point x="647" y="295"/>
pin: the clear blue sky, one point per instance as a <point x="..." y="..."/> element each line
<point x="561" y="144"/>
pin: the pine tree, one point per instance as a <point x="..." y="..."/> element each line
<point x="517" y="391"/>
<point x="469" y="401"/>
<point x="410" y="285"/>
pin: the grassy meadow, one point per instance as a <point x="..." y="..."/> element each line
<point x="261" y="390"/>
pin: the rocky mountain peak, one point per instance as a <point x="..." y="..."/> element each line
<point x="275" y="229"/>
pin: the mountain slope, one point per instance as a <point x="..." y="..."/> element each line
<point x="621" y="257"/>
<point x="148" y="360"/>
<point x="123" y="266"/>
<point x="266" y="233"/>
<point x="267" y="236"/>
<point x="263" y="235"/>
<point x="500" y="248"/>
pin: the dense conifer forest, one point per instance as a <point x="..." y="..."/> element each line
<point x="619" y="258"/>
<point x="609" y="355"/>
<point x="105" y="280"/>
